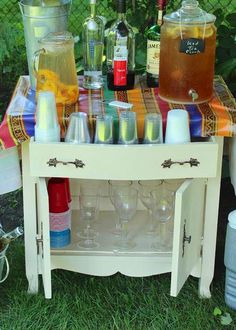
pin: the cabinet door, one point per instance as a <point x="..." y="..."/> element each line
<point x="44" y="241"/>
<point x="188" y="229"/>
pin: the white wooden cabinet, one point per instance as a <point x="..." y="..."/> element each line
<point x="192" y="251"/>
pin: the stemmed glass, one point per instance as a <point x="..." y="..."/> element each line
<point x="145" y="188"/>
<point x="89" y="199"/>
<point x="173" y="184"/>
<point x="125" y="202"/>
<point x="162" y="200"/>
<point x="113" y="186"/>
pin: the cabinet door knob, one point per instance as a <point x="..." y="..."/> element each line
<point x="168" y="162"/>
<point x="77" y="162"/>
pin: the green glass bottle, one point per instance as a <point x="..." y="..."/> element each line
<point x="153" y="47"/>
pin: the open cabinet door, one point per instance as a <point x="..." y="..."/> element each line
<point x="188" y="226"/>
<point x="44" y="242"/>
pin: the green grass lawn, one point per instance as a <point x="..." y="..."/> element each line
<point x="116" y="302"/>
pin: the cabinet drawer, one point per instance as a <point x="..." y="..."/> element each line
<point x="133" y="162"/>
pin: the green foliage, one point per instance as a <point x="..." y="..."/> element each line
<point x="12" y="59"/>
<point x="226" y="47"/>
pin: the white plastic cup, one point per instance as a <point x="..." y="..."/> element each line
<point x="177" y="127"/>
<point x="47" y="128"/>
<point x="78" y="131"/>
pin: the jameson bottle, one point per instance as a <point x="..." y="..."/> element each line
<point x="93" y="42"/>
<point x="120" y="52"/>
<point x="153" y="47"/>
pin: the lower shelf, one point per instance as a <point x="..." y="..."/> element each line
<point x="107" y="259"/>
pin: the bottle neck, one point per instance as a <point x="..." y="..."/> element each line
<point x="121" y="16"/>
<point x="161" y="13"/>
<point x="93" y="9"/>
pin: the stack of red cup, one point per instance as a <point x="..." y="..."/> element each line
<point x="59" y="212"/>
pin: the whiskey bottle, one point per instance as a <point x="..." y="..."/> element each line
<point x="120" y="52"/>
<point x="153" y="47"/>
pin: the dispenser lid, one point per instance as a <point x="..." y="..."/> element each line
<point x="232" y="219"/>
<point x="190" y="14"/>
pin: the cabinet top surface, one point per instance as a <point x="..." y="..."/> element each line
<point x="212" y="118"/>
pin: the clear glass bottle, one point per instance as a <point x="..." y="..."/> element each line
<point x="153" y="47"/>
<point x="93" y="45"/>
<point x="120" y="52"/>
<point x="6" y="238"/>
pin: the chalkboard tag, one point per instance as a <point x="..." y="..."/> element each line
<point x="192" y="46"/>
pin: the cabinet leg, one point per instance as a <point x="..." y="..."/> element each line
<point x="30" y="222"/>
<point x="210" y="228"/>
<point x="33" y="284"/>
<point x="204" y="289"/>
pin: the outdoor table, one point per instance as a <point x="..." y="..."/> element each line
<point x="196" y="201"/>
<point x="217" y="117"/>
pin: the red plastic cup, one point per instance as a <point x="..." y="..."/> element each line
<point x="58" y="200"/>
<point x="67" y="183"/>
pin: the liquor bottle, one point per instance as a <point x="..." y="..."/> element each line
<point x="93" y="45"/>
<point x="6" y="238"/>
<point x="120" y="52"/>
<point x="153" y="47"/>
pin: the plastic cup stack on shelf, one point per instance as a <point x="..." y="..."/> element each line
<point x="104" y="129"/>
<point x="59" y="213"/>
<point x="177" y="127"/>
<point x="47" y="128"/>
<point x="153" y="128"/>
<point x="128" y="128"/>
<point x="78" y="130"/>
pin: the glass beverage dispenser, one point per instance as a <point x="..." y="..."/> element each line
<point x="187" y="55"/>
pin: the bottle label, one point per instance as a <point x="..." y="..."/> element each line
<point x="153" y="57"/>
<point x="192" y="46"/>
<point x="120" y="65"/>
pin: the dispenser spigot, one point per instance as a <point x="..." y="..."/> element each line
<point x="193" y="94"/>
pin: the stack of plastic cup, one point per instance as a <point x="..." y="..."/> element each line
<point x="78" y="130"/>
<point x="177" y="127"/>
<point x="47" y="128"/>
<point x="59" y="213"/>
<point x="69" y="199"/>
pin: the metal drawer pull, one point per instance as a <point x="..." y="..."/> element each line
<point x="54" y="162"/>
<point x="192" y="162"/>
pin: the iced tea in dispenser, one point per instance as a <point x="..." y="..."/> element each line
<point x="187" y="55"/>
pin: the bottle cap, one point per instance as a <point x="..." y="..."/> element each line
<point x="121" y="6"/>
<point x="161" y="4"/>
<point x="232" y="219"/>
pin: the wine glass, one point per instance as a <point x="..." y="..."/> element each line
<point x="173" y="184"/>
<point x="125" y="202"/>
<point x="162" y="200"/>
<point x="145" y="188"/>
<point x="113" y="186"/>
<point x="89" y="199"/>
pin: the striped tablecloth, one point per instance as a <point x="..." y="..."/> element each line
<point x="217" y="117"/>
